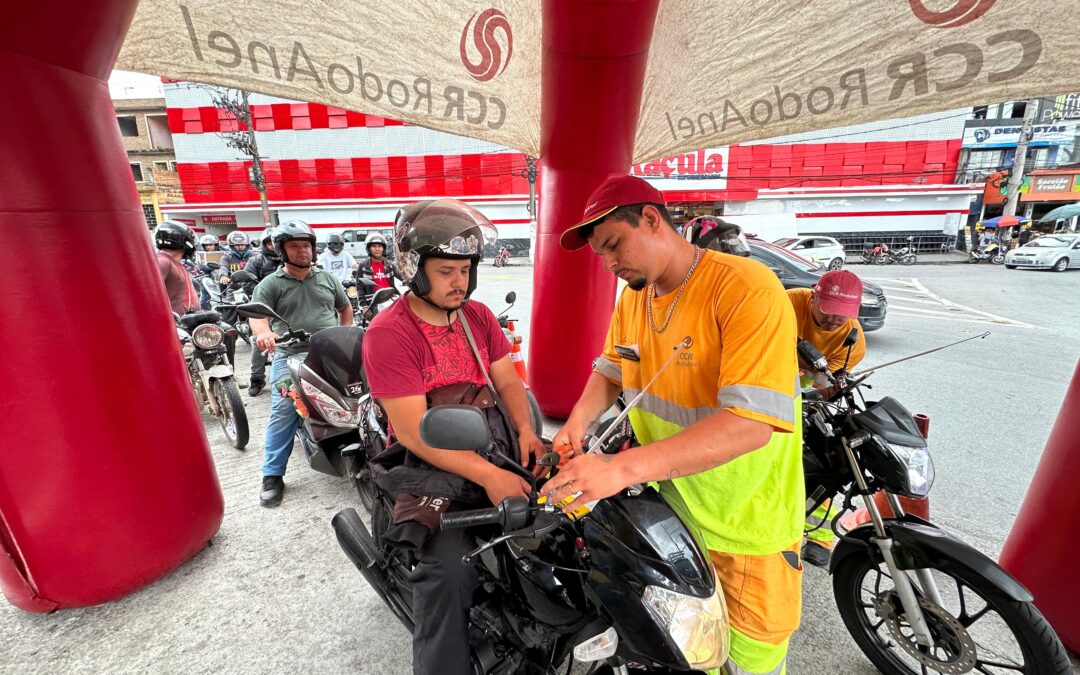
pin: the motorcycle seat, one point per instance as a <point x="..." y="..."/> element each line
<point x="189" y="321"/>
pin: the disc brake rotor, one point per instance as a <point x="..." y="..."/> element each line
<point x="954" y="651"/>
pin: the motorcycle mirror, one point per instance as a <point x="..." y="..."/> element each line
<point x="511" y="298"/>
<point x="852" y="337"/>
<point x="212" y="266"/>
<point x="455" y="427"/>
<point x="241" y="277"/>
<point x="366" y="282"/>
<point x="257" y="310"/>
<point x="383" y="295"/>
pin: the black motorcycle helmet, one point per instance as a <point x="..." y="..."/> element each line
<point x="716" y="234"/>
<point x="294" y="229"/>
<point x="372" y="240"/>
<point x="438" y="228"/>
<point x="175" y="236"/>
<point x="335" y="243"/>
<point x="267" y="241"/>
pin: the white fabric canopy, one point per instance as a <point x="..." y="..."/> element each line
<point x="717" y="73"/>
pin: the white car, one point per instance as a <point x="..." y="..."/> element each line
<point x="1058" y="252"/>
<point x="825" y="251"/>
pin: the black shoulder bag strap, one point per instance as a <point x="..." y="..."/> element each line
<point x="507" y="421"/>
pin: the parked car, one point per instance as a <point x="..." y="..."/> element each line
<point x="795" y="271"/>
<point x="825" y="251"/>
<point x="1058" y="252"/>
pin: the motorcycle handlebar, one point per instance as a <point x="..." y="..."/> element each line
<point x="451" y="521"/>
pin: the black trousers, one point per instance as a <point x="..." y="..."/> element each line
<point x="442" y="594"/>
<point x="258" y="363"/>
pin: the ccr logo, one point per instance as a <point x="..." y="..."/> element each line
<point x="963" y="12"/>
<point x="485" y="28"/>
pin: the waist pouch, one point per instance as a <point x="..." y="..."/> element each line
<point x="414" y="484"/>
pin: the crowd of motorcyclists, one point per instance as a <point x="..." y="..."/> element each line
<point x="719" y="432"/>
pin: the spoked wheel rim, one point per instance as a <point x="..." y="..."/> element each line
<point x="836" y="264"/>
<point x="225" y="416"/>
<point x="1061" y="265"/>
<point x="961" y="645"/>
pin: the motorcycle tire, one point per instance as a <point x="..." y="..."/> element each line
<point x="881" y="260"/>
<point x="233" y="416"/>
<point x="362" y="480"/>
<point x="1041" y="650"/>
<point x="535" y="416"/>
<point x="998" y="259"/>
<point x="909" y="259"/>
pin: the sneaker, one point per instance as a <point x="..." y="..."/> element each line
<point x="256" y="388"/>
<point x="814" y="553"/>
<point x="273" y="488"/>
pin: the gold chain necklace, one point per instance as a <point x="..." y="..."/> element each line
<point x="671" y="310"/>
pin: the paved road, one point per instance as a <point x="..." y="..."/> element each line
<point x="274" y="593"/>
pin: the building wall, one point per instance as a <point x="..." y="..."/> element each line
<point x="337" y="169"/>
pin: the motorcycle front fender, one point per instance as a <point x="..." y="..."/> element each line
<point x="920" y="545"/>
<point x="217" y="372"/>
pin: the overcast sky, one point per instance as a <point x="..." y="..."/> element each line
<point x="124" y="84"/>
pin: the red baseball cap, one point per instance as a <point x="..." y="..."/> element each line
<point x="839" y="292"/>
<point x="612" y="193"/>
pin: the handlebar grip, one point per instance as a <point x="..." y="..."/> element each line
<point x="450" y="521"/>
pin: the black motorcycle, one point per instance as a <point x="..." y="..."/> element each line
<point x="627" y="587"/>
<point x="203" y="336"/>
<point x="914" y="598"/>
<point x="237" y="292"/>
<point x="343" y="426"/>
<point x="370" y="300"/>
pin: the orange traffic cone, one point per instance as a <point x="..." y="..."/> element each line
<point x="516" y="355"/>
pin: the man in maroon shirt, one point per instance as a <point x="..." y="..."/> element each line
<point x="419" y="346"/>
<point x="175" y="243"/>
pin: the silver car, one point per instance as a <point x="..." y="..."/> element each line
<point x="1058" y="252"/>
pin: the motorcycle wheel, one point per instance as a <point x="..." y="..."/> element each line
<point x="1022" y="641"/>
<point x="881" y="260"/>
<point x="909" y="259"/>
<point x="233" y="416"/>
<point x="360" y="476"/>
<point x="998" y="259"/>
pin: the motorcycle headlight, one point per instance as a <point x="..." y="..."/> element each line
<point x="207" y="336"/>
<point x="920" y="467"/>
<point x="698" y="626"/>
<point x="334" y="413"/>
<point x="351" y="291"/>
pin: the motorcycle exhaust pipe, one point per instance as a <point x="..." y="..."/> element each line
<point x="355" y="540"/>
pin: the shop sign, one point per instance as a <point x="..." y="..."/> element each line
<point x="219" y="219"/>
<point x="1053" y="183"/>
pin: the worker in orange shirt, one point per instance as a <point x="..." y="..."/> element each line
<point x="825" y="315"/>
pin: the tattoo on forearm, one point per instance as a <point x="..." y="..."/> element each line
<point x="676" y="472"/>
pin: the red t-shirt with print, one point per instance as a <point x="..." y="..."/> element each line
<point x="406" y="356"/>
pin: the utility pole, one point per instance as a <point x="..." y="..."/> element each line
<point x="1016" y="176"/>
<point x="236" y="104"/>
<point x="529" y="172"/>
